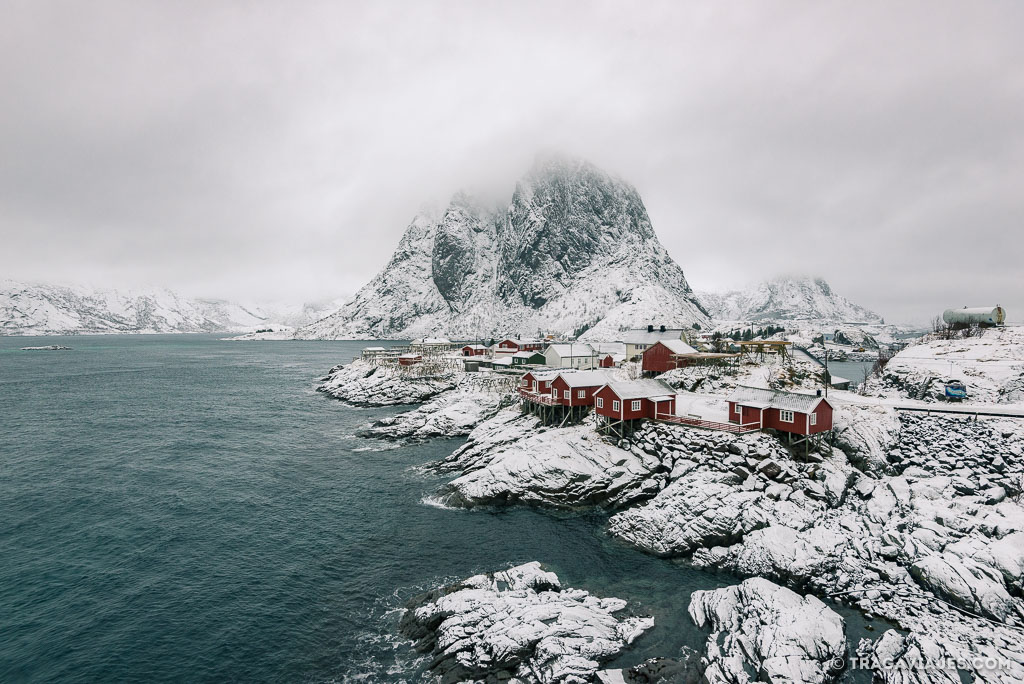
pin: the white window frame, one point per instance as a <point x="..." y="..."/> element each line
<point x="814" y="419"/>
<point x="615" y="404"/>
<point x="565" y="394"/>
<point x="738" y="410"/>
<point x="635" y="406"/>
<point x="526" y="382"/>
<point x="581" y="394"/>
<point x="554" y="392"/>
<point x="783" y="413"/>
<point x="600" y="402"/>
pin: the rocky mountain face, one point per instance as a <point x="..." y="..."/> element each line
<point x="786" y="299"/>
<point x="572" y="252"/>
<point x="39" y="309"/>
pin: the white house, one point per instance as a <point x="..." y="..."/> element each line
<point x="572" y="355"/>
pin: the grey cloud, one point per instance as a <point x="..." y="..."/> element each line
<point x="279" y="149"/>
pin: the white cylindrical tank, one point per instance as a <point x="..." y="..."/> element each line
<point x="977" y="315"/>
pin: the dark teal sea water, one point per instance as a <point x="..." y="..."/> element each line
<point x="177" y="508"/>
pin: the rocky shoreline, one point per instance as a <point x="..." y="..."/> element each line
<point x="914" y="519"/>
<point x="930" y="541"/>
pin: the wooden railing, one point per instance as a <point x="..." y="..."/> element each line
<point x="709" y="424"/>
<point x="536" y="397"/>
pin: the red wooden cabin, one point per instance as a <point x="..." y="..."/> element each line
<point x="512" y="346"/>
<point x="658" y="358"/>
<point x="474" y="350"/>
<point x="635" y="399"/>
<point x="578" y="388"/>
<point x="538" y="381"/>
<point x="793" y="412"/>
<point x="409" y="359"/>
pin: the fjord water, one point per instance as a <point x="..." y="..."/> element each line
<point x="179" y="508"/>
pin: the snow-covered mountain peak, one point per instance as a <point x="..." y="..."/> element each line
<point x="574" y="250"/>
<point x="786" y="298"/>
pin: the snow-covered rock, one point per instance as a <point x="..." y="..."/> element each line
<point x="364" y="383"/>
<point x="513" y="458"/>
<point x="573" y="252"/>
<point x="476" y="398"/>
<point x="518" y="623"/>
<point x="764" y="632"/>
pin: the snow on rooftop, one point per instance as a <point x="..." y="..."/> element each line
<point x="642" y="389"/>
<point x="759" y="397"/>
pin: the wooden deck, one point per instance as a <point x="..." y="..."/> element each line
<point x="709" y="424"/>
<point x="537" y="397"/>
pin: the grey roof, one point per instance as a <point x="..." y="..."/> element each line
<point x="587" y="378"/>
<point x="641" y="336"/>
<point x="565" y="351"/>
<point x="642" y="389"/>
<point x="526" y="354"/>
<point x="544" y="374"/>
<point x="759" y="397"/>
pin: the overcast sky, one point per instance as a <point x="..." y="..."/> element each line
<point x="278" y="150"/>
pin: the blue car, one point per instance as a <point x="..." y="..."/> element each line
<point x="955" y="391"/>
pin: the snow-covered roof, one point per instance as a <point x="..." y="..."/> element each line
<point x="525" y="354"/>
<point x="759" y="397"/>
<point x="566" y="351"/>
<point x="507" y="361"/>
<point x="588" y="378"/>
<point x="678" y="346"/>
<point x="543" y="375"/>
<point x="609" y="347"/>
<point x="642" y="389"/>
<point x="432" y="340"/>
<point x="642" y="336"/>
<point x="474" y="346"/>
<point x="374" y="349"/>
<point x="411" y="356"/>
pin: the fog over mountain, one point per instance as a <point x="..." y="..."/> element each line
<point x="573" y="252"/>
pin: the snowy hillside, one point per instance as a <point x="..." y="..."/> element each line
<point x="786" y="299"/>
<point x="990" y="364"/>
<point x="573" y="252"/>
<point x="38" y="309"/>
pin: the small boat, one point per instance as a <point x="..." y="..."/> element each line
<point x="955" y="390"/>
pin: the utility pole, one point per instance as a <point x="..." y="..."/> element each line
<point x="828" y="378"/>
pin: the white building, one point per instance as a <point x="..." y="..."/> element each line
<point x="571" y="355"/>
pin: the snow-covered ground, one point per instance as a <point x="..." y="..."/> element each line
<point x="990" y="364"/>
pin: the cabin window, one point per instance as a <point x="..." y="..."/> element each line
<point x="814" y="419"/>
<point x="615" y="405"/>
<point x="600" y="402"/>
<point x="565" y="394"/>
<point x="738" y="410"/>
<point x="554" y="392"/>
<point x="525" y="382"/>
<point x="785" y="416"/>
<point x="636" y="405"/>
<point x="581" y="394"/>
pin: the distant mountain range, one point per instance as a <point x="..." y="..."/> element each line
<point x="38" y="309"/>
<point x="573" y="252"/>
<point x="786" y="299"/>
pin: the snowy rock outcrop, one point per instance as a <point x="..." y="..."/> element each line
<point x="764" y="632"/>
<point x="454" y="413"/>
<point x="512" y="458"/>
<point x="786" y="299"/>
<point x="519" y="623"/>
<point x="363" y="383"/>
<point x="573" y="251"/>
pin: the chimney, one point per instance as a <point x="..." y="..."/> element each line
<point x="662" y="329"/>
<point x="650" y="328"/>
